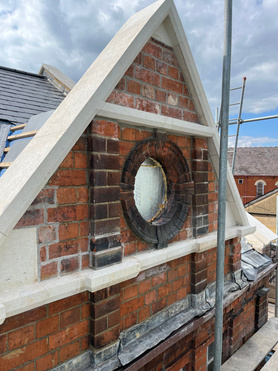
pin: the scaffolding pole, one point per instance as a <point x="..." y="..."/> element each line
<point x="238" y="123"/>
<point x="276" y="257"/>
<point x="224" y="121"/>
<point x="255" y="119"/>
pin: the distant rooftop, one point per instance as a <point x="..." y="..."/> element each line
<point x="24" y="94"/>
<point x="261" y="161"/>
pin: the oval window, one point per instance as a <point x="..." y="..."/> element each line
<point x="150" y="189"/>
<point x="156" y="190"/>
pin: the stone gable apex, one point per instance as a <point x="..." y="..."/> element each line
<point x="35" y="165"/>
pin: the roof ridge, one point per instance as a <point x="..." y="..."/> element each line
<point x="260" y="147"/>
<point x="22" y="72"/>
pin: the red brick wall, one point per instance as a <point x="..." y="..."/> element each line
<point x="245" y="316"/>
<point x="105" y="316"/>
<point x="60" y="214"/>
<point x="106" y="215"/>
<point x="153" y="290"/>
<point x="154" y="83"/>
<point x="159" y="287"/>
<point x="83" y="197"/>
<point x="46" y="336"/>
<point x="248" y="190"/>
<point x="64" y="208"/>
<point x="190" y="352"/>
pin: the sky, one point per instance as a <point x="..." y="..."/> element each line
<point x="69" y="34"/>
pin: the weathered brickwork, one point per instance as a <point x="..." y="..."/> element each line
<point x="105" y="317"/>
<point x="60" y="214"/>
<point x="212" y="199"/>
<point x="81" y="222"/>
<point x="46" y="336"/>
<point x="128" y="138"/>
<point x="83" y="197"/>
<point x="154" y="83"/>
<point x="153" y="290"/>
<point x="190" y="351"/>
<point x="246" y="315"/>
<point x="105" y="173"/>
<point x="107" y="219"/>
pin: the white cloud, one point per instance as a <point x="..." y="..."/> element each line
<point x="69" y="34"/>
<point x="246" y="141"/>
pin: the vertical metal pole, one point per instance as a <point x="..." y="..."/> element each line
<point x="216" y="117"/>
<point x="238" y="122"/>
<point x="224" y="121"/>
<point x="276" y="271"/>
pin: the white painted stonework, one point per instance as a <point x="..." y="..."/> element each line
<point x="29" y="296"/>
<point x="18" y="259"/>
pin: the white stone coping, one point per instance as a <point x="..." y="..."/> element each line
<point x="131" y="116"/>
<point x="57" y="75"/>
<point x="31" y="296"/>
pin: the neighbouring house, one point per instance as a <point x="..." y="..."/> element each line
<point x="264" y="209"/>
<point x="256" y="171"/>
<point x="108" y="218"/>
<point x="264" y="239"/>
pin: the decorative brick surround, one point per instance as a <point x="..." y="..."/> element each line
<point x="179" y="188"/>
<point x="129" y="138"/>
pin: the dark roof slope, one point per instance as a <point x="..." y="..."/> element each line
<point x="24" y="94"/>
<point x="255" y="161"/>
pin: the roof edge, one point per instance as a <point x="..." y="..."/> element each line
<point x="258" y="199"/>
<point x="22" y="72"/>
<point x="57" y="78"/>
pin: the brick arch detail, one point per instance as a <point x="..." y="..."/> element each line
<point x="180" y="187"/>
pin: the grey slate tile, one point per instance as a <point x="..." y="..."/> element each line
<point x="23" y="95"/>
<point x="255" y="161"/>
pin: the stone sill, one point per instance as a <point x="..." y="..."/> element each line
<point x="31" y="296"/>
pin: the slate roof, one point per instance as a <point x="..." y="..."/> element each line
<point x="24" y="94"/>
<point x="261" y="161"/>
